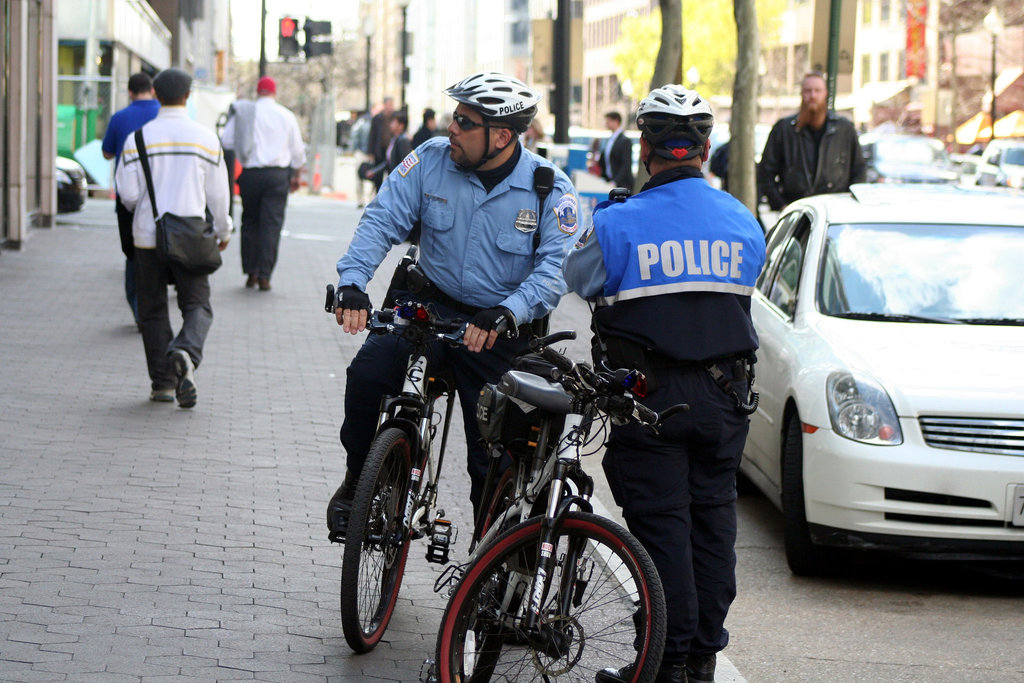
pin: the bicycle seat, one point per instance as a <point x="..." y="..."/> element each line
<point x="536" y="391"/>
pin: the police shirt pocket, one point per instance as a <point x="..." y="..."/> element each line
<point x="516" y="249"/>
<point x="438" y="213"/>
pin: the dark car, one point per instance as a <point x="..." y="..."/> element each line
<point x="71" y="185"/>
<point x="895" y="158"/>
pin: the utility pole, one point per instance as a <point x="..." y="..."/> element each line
<point x="562" y="72"/>
<point x="263" y="38"/>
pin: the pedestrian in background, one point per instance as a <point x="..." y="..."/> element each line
<point x="533" y="135"/>
<point x="380" y="136"/>
<point x="265" y="136"/>
<point x="815" y="151"/>
<point x="428" y="128"/>
<point x="189" y="178"/>
<point x="689" y="331"/>
<point x="616" y="154"/>
<point x="360" y="145"/>
<point x="142" y="109"/>
<point x="400" y="145"/>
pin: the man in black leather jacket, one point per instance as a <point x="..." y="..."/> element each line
<point x="812" y="152"/>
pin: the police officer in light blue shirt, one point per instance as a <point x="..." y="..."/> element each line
<point x="491" y="246"/>
<point x="671" y="270"/>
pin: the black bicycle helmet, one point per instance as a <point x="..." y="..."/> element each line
<point x="676" y="121"/>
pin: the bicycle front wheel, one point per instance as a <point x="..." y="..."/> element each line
<point x="603" y="607"/>
<point x="377" y="542"/>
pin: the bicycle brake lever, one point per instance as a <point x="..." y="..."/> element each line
<point x="331" y="302"/>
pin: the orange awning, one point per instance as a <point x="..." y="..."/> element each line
<point x="1011" y="125"/>
<point x="974" y="129"/>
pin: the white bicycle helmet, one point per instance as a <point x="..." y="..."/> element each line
<point x="675" y="118"/>
<point x="498" y="97"/>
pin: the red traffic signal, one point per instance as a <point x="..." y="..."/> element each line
<point x="288" y="26"/>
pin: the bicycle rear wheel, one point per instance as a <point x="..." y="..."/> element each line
<point x="616" y="613"/>
<point x="377" y="543"/>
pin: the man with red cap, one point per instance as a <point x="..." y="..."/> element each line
<point x="266" y="140"/>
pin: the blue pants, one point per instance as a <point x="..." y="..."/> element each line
<point x="378" y="370"/>
<point x="677" y="491"/>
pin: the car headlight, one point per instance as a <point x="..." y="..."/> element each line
<point x="63" y="177"/>
<point x="1015" y="181"/>
<point x="861" y="411"/>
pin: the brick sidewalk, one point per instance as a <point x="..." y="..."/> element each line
<point x="140" y="541"/>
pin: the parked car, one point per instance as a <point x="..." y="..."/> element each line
<point x="1002" y="163"/>
<point x="71" y="185"/>
<point x="966" y="165"/>
<point x="891" y="412"/>
<point x="896" y="158"/>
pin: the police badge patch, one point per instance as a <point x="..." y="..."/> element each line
<point x="565" y="212"/>
<point x="526" y="220"/>
<point x="407" y="163"/>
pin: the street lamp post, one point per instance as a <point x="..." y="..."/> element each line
<point x="403" y="72"/>
<point x="368" y="30"/>
<point x="994" y="25"/>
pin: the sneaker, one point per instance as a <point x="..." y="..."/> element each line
<point x="339" y="509"/>
<point x="185" y="372"/>
<point x="162" y="395"/>
<point x="701" y="668"/>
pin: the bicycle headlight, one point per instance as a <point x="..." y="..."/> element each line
<point x="860" y="410"/>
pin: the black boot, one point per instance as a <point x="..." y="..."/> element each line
<point x="701" y="668"/>
<point x="339" y="508"/>
<point x="668" y="673"/>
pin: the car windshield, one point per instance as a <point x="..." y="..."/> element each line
<point x="910" y="150"/>
<point x="935" y="272"/>
<point x="1015" y="156"/>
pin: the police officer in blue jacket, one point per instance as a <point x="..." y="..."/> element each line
<point x="671" y="270"/>
<point x="491" y="247"/>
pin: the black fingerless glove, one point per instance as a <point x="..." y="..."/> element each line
<point x="351" y="298"/>
<point x="499" y="319"/>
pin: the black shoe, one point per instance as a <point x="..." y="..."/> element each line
<point x="668" y="673"/>
<point x="701" y="668"/>
<point x="339" y="509"/>
<point x="250" y="282"/>
<point x="184" y="370"/>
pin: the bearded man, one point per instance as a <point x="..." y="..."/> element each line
<point x="812" y="152"/>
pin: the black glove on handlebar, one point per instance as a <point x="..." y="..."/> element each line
<point x="499" y="319"/>
<point x="352" y="298"/>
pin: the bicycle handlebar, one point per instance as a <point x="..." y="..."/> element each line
<point x="614" y="389"/>
<point x="405" y="317"/>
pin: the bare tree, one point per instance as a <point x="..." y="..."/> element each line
<point x="742" y="176"/>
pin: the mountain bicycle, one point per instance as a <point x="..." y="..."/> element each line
<point x="552" y="591"/>
<point x="395" y="498"/>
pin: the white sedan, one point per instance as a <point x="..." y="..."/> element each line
<point x="891" y="374"/>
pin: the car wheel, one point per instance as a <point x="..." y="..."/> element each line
<point x="804" y="558"/>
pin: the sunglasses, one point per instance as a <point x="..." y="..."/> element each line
<point x="465" y="123"/>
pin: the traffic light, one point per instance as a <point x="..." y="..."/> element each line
<point x="313" y="46"/>
<point x="287" y="40"/>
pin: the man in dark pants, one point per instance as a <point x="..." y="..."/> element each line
<point x="380" y="136"/>
<point x="189" y="178"/>
<point x="671" y="270"/>
<point x="265" y="137"/>
<point x="122" y="124"/>
<point x="476" y="198"/>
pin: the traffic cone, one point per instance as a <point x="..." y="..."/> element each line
<point x="316" y="173"/>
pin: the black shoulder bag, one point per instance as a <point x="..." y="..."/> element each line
<point x="188" y="241"/>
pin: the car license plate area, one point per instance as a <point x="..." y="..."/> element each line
<point x="1018" y="505"/>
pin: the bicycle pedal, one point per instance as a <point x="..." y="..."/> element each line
<point x="428" y="671"/>
<point x="442" y="535"/>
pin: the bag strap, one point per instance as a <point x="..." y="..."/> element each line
<point x="144" y="160"/>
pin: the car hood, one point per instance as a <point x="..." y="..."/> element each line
<point x="895" y="170"/>
<point x="935" y="368"/>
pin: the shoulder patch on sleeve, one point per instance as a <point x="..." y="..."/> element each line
<point x="566" y="213"/>
<point x="407" y="163"/>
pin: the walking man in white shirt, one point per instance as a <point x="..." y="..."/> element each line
<point x="189" y="179"/>
<point x="266" y="139"/>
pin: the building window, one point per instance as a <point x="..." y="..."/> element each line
<point x="902" y="55"/>
<point x="865" y="69"/>
<point x="866" y="13"/>
<point x="884" y="13"/>
<point x="801" y="60"/>
<point x="883" y="67"/>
